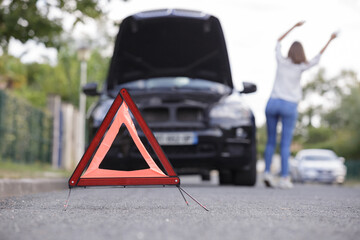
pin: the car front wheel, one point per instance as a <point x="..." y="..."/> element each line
<point x="247" y="177"/>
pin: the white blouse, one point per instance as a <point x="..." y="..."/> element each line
<point x="288" y="75"/>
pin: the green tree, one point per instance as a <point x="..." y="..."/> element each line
<point x="261" y="140"/>
<point x="12" y="72"/>
<point x="339" y="121"/>
<point x="316" y="92"/>
<point x="62" y="79"/>
<point x="41" y="20"/>
<point x="344" y="119"/>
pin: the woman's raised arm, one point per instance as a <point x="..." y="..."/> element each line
<point x="333" y="36"/>
<point x="296" y="25"/>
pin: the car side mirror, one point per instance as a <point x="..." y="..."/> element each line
<point x="90" y="89"/>
<point x="249" y="87"/>
<point x="341" y="159"/>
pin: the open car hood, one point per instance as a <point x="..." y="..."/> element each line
<point x="164" y="43"/>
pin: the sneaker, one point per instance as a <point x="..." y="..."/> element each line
<point x="285" y="183"/>
<point x="268" y="180"/>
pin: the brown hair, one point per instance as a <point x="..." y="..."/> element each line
<point x="296" y="53"/>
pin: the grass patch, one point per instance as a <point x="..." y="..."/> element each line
<point x="36" y="170"/>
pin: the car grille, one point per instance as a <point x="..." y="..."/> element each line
<point x="156" y="114"/>
<point x="189" y="114"/>
<point x="175" y="114"/>
<point x="202" y="150"/>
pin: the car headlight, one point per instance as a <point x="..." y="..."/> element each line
<point x="230" y="114"/>
<point x="340" y="171"/>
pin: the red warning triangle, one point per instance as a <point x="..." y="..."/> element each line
<point x="117" y="116"/>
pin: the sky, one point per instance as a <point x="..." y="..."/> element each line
<point x="251" y="29"/>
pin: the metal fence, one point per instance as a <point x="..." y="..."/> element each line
<point x="353" y="169"/>
<point x="25" y="132"/>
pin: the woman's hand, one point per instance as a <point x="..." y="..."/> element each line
<point x="333" y="36"/>
<point x="299" y="24"/>
<point x="296" y="25"/>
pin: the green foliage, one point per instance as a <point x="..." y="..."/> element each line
<point x="318" y="135"/>
<point x="339" y="124"/>
<point x="12" y="72"/>
<point x="40" y="20"/>
<point x="65" y="81"/>
<point x="320" y="85"/>
<point x="343" y="116"/>
<point x="261" y="140"/>
<point x="62" y="79"/>
<point x="98" y="68"/>
<point x="321" y="137"/>
<point x="345" y="121"/>
<point x="36" y="81"/>
<point x="346" y="144"/>
<point x="97" y="72"/>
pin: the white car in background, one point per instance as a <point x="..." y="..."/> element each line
<point x="318" y="165"/>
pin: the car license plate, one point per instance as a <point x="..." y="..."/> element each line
<point x="176" y="138"/>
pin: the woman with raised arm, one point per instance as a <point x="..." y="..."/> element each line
<point x="282" y="105"/>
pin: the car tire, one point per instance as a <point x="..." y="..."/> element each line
<point x="248" y="177"/>
<point x="225" y="177"/>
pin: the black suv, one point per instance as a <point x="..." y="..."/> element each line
<point x="175" y="65"/>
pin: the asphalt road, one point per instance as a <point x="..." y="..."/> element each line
<point x="305" y="212"/>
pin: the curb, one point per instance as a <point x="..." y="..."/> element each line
<point x="19" y="187"/>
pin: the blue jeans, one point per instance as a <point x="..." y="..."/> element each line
<point x="278" y="109"/>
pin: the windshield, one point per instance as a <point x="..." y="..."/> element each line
<point x="175" y="83"/>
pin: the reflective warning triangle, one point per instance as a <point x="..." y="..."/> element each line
<point x="88" y="173"/>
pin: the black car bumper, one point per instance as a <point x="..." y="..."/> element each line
<point x="215" y="149"/>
